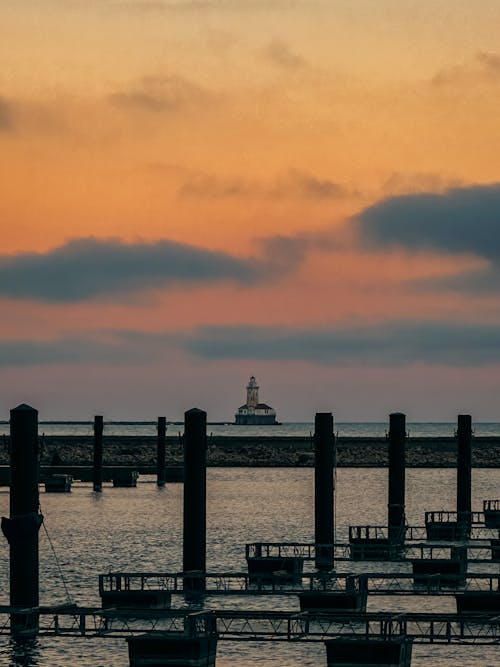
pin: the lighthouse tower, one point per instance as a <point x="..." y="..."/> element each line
<point x="252" y="393"/>
<point x="254" y="412"/>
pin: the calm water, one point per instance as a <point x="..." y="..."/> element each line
<point x="141" y="529"/>
<point x="290" y="428"/>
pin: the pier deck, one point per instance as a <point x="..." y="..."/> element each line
<point x="378" y="583"/>
<point x="262" y="625"/>
<point x="477" y="551"/>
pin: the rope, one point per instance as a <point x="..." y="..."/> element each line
<point x="68" y="596"/>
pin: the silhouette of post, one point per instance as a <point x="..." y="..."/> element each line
<point x="98" y="430"/>
<point x="21" y="529"/>
<point x="464" y="471"/>
<point x="396" y="508"/>
<point x="160" y="452"/>
<point x="195" y="498"/>
<point x="324" y="465"/>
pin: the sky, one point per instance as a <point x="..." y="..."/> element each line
<point x="196" y="191"/>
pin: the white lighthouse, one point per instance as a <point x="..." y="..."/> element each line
<point x="254" y="412"/>
<point x="252" y="393"/>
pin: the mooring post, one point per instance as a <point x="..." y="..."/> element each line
<point x="396" y="507"/>
<point x="21" y="529"/>
<point x="324" y="487"/>
<point x="160" y="452"/>
<point x="195" y="499"/>
<point x="464" y="472"/>
<point x="98" y="430"/>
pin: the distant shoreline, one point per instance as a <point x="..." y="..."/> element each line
<point x="265" y="451"/>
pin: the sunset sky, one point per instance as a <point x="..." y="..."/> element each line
<point x="196" y="191"/>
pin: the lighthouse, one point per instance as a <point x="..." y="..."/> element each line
<point x="254" y="412"/>
<point x="252" y="393"/>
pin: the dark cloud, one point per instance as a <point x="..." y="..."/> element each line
<point x="460" y="220"/>
<point x="390" y="344"/>
<point x="295" y="183"/>
<point x="6" y="115"/>
<point x="71" y="350"/>
<point x="90" y="268"/>
<point x="107" y="346"/>
<point x="161" y="94"/>
<point x="279" y="53"/>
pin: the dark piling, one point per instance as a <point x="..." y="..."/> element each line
<point x="464" y="471"/>
<point x="160" y="452"/>
<point x="21" y="529"/>
<point x="324" y="528"/>
<point x="396" y="506"/>
<point x="195" y="499"/>
<point x="97" y="473"/>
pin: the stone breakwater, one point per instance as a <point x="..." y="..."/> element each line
<point x="267" y="451"/>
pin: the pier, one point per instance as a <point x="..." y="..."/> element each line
<point x="478" y="552"/>
<point x="242" y="583"/>
<point x="289" y="626"/>
<point x="454" y="554"/>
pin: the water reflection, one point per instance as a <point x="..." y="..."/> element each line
<point x="23" y="652"/>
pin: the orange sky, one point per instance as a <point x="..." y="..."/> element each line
<point x="217" y="125"/>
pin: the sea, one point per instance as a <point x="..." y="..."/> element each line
<point x="140" y="529"/>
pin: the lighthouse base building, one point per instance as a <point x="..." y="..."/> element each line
<point x="254" y="412"/>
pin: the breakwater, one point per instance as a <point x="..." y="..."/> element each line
<point x="263" y="451"/>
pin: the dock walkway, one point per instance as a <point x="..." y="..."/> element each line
<point x="261" y="625"/>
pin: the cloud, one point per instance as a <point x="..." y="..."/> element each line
<point x="279" y="53"/>
<point x="21" y="116"/>
<point x="203" y="185"/>
<point x="161" y="94"/>
<point x="313" y="187"/>
<point x="459" y="220"/>
<point x="90" y="268"/>
<point x="390" y="344"/>
<point x="71" y="350"/>
<point x="399" y="183"/>
<point x="6" y="115"/>
<point x="294" y="184"/>
<point x="485" y="67"/>
<point x="106" y="346"/>
<point x="489" y="61"/>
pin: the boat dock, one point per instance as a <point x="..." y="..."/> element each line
<point x="440" y="555"/>
<point x="242" y="583"/>
<point x="290" y="626"/>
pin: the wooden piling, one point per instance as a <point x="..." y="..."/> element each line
<point x="396" y="506"/>
<point x="98" y="431"/>
<point x="324" y="449"/>
<point x="195" y="498"/>
<point x="464" y="471"/>
<point x="21" y="529"/>
<point x="160" y="451"/>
